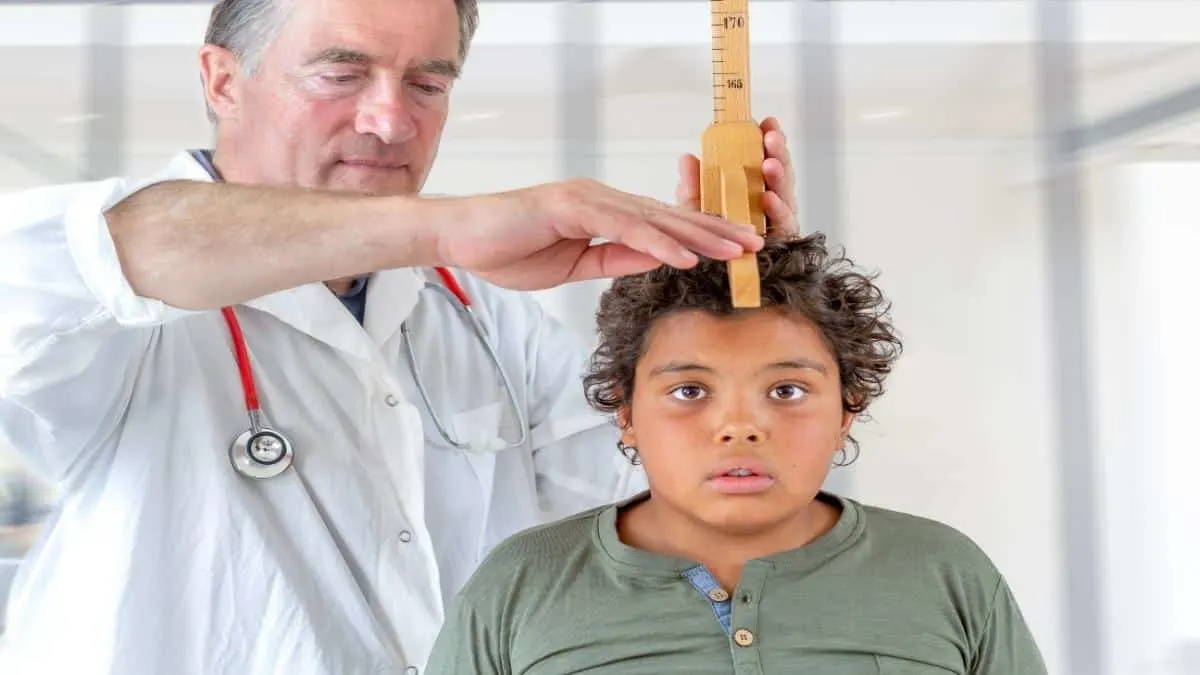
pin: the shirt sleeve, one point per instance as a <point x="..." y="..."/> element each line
<point x="575" y="447"/>
<point x="73" y="330"/>
<point x="467" y="644"/>
<point x="1007" y="646"/>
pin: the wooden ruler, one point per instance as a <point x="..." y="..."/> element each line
<point x="731" y="180"/>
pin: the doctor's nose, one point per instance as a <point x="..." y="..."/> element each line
<point x="385" y="114"/>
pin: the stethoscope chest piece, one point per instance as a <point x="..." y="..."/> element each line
<point x="261" y="453"/>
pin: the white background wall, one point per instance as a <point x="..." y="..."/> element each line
<point x="1145" y="250"/>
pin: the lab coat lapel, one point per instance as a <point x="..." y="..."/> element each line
<point x="391" y="296"/>
<point x="183" y="166"/>
<point x="314" y="310"/>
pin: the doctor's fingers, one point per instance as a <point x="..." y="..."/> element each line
<point x="778" y="168"/>
<point x="781" y="219"/>
<point x="671" y="233"/>
<point x="687" y="191"/>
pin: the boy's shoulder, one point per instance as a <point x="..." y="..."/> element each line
<point x="559" y="535"/>
<point x="926" y="538"/>
<point x="536" y="549"/>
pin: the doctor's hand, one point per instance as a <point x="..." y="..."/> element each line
<point x="779" y="199"/>
<point x="540" y="237"/>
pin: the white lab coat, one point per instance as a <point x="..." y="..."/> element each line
<point x="161" y="559"/>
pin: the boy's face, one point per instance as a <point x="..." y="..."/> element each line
<point x="737" y="419"/>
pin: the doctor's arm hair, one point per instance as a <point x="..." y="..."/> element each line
<point x="796" y="273"/>
<point x="199" y="246"/>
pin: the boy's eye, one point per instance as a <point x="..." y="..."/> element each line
<point x="787" y="392"/>
<point x="687" y="392"/>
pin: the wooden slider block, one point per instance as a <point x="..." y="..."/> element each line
<point x="732" y="186"/>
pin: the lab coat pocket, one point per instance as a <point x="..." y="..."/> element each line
<point x="479" y="428"/>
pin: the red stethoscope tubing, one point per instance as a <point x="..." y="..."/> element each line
<point x="243" y="359"/>
<point x="241" y="354"/>
<point x="452" y="284"/>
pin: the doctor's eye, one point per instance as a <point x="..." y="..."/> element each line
<point x="339" y="78"/>
<point x="688" y="392"/>
<point x="429" y="89"/>
<point x="787" y="392"/>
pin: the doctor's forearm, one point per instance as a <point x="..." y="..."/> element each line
<point x="202" y="246"/>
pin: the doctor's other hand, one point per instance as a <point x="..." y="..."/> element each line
<point x="540" y="237"/>
<point x="779" y="199"/>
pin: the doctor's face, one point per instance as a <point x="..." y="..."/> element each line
<point x="737" y="420"/>
<point x="350" y="95"/>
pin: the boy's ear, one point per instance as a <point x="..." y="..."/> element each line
<point x="847" y="421"/>
<point x="625" y="422"/>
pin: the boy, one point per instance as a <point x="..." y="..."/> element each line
<point x="735" y="560"/>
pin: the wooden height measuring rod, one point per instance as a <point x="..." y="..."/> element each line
<point x="731" y="180"/>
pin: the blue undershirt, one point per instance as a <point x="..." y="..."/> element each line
<point x="355" y="299"/>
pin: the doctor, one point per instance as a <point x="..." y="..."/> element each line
<point x="300" y="246"/>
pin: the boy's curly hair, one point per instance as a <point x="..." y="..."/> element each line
<point x="797" y="273"/>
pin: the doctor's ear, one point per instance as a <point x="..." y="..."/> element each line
<point x="220" y="74"/>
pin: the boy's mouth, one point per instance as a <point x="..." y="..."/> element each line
<point x="740" y="467"/>
<point x="745" y="476"/>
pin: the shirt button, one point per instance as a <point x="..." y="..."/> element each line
<point x="718" y="595"/>
<point x="405" y="536"/>
<point x="391" y="400"/>
<point x="743" y="637"/>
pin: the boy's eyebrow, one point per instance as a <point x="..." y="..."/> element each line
<point x="678" y="367"/>
<point x="790" y="364"/>
<point x="799" y="364"/>
<point x="443" y="67"/>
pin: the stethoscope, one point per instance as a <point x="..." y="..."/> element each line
<point x="265" y="452"/>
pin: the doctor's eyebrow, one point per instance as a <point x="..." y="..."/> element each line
<point x="441" y="67"/>
<point x="339" y="55"/>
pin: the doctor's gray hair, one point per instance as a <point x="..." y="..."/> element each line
<point x="247" y="27"/>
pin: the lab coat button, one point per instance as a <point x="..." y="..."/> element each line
<point x="411" y="670"/>
<point x="405" y="536"/>
<point x="392" y="401"/>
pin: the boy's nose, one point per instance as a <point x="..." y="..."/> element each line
<point x="740" y="432"/>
